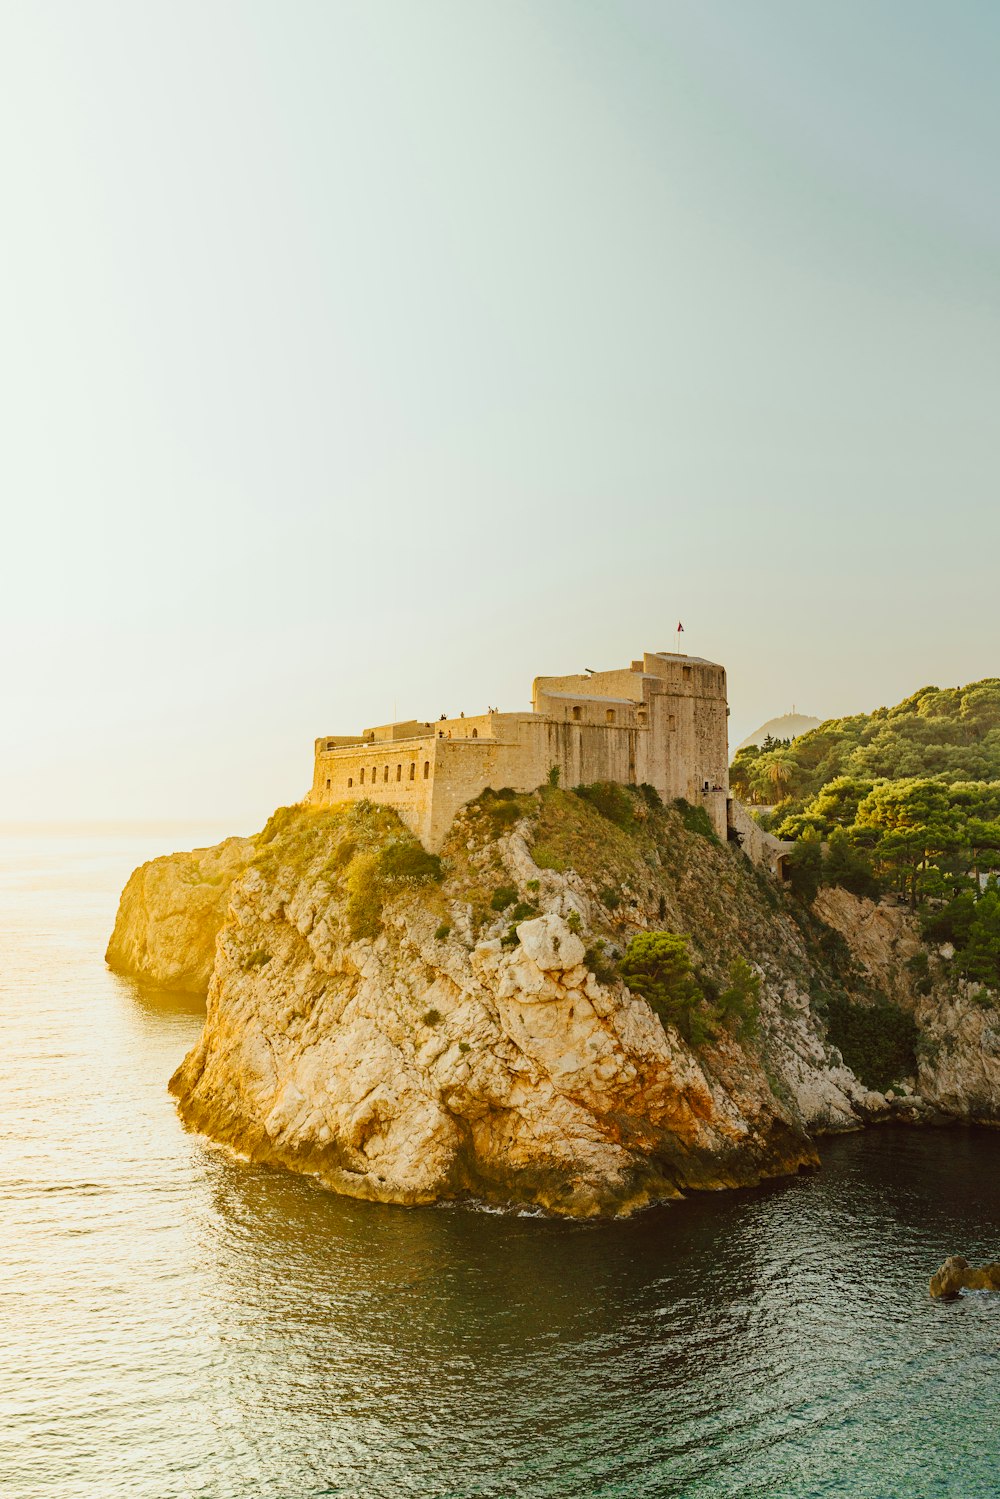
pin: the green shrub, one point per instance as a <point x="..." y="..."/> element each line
<point x="408" y="861"/>
<point x="546" y="858"/>
<point x="849" y="867"/>
<point x="574" y="922"/>
<point x="503" y="896"/>
<point x="463" y="1047"/>
<point x="805" y="867"/>
<point x="657" y="965"/>
<point x="523" y="912"/>
<point x="600" y="964"/>
<point x="510" y="937"/>
<point x="981" y="958"/>
<point x="432" y="1017"/>
<point x="278" y="823"/>
<point x="651" y="796"/>
<point x="953" y="922"/>
<point x="611" y="897"/>
<point x="695" y="819"/>
<point x="738" y="1005"/>
<point x="372" y="876"/>
<point x="878" y="1042"/>
<point x="553" y="775"/>
<point x="504" y="815"/>
<point x="532" y="885"/>
<point x="443" y="931"/>
<point x="611" y="800"/>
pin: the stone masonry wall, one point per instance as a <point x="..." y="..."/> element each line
<point x="664" y="725"/>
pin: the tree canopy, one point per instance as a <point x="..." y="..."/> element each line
<point x="905" y="798"/>
<point x="939" y="732"/>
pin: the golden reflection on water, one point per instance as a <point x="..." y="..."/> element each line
<point x="180" y="1323"/>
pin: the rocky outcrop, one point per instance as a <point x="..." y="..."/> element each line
<point x="958" y="1049"/>
<point x="170" y="913"/>
<point x="957" y="1275"/>
<point x="412" y="1032"/>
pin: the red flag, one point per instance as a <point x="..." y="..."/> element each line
<point x="680" y="628"/>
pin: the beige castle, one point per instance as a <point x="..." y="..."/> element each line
<point x="661" y="720"/>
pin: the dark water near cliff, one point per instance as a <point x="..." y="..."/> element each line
<point x="175" y="1323"/>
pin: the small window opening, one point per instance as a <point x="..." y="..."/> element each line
<point x="475" y="733"/>
<point x="399" y="772"/>
<point x="609" y="716"/>
<point x="385" y="774"/>
<point x="328" y="785"/>
<point x="577" y="714"/>
<point x="427" y="769"/>
<point x="350" y="780"/>
<point x="362" y="776"/>
<point x="413" y="769"/>
<point x="687" y="671"/>
<point x="643" y="716"/>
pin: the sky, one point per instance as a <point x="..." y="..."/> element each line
<point x="362" y="361"/>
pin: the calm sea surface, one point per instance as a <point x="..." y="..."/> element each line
<point x="175" y="1323"/>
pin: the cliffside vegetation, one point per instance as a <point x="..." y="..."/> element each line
<point x="904" y="799"/>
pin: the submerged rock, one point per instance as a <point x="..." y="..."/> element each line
<point x="956" y="1274"/>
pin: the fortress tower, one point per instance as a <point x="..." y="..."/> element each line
<point x="661" y="720"/>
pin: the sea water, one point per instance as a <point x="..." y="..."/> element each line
<point x="177" y="1323"/>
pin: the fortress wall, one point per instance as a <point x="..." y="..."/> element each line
<point x="345" y="775"/>
<point x="681" y="745"/>
<point x="622" y="683"/>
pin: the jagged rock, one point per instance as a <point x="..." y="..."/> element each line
<point x="956" y="1274"/>
<point x="434" y="1054"/>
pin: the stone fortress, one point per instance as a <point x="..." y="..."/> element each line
<point x="661" y="720"/>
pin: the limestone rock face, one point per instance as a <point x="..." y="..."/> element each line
<point x="410" y="1069"/>
<point x="411" y="1032"/>
<point x="170" y="913"/>
<point x="958" y="1075"/>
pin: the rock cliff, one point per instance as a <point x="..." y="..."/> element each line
<point x="170" y="913"/>
<point x="408" y="1029"/>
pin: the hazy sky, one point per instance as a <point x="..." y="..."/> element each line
<point x="361" y="359"/>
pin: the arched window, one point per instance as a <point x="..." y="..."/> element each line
<point x="643" y="716"/>
<point x="350" y="780"/>
<point x="427" y="769"/>
<point x="328" y="785"/>
<point x="577" y="714"/>
<point x="413" y="769"/>
<point x="399" y="772"/>
<point x="362" y="775"/>
<point x="385" y="774"/>
<point x="475" y="733"/>
<point x="374" y="774"/>
<point x="609" y="716"/>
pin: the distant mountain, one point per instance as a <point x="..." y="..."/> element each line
<point x="788" y="726"/>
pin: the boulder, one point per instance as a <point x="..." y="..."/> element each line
<point x="956" y="1274"/>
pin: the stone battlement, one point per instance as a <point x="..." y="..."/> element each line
<point x="661" y="720"/>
